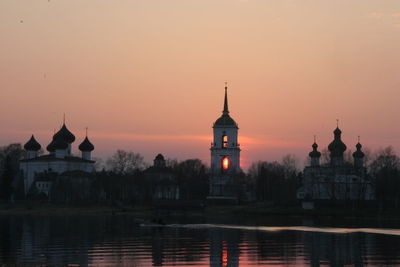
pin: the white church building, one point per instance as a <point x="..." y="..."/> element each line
<point x="336" y="181"/>
<point x="225" y="158"/>
<point x="58" y="160"/>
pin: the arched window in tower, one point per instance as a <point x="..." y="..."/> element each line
<point x="225" y="164"/>
<point x="224" y="141"/>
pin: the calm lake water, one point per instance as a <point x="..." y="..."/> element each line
<point x="117" y="241"/>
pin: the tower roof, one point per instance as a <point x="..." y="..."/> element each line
<point x="358" y="153"/>
<point x="59" y="143"/>
<point x="314" y="153"/>
<point x="32" y="144"/>
<point x="226" y="110"/>
<point x="337" y="131"/>
<point x="86" y="145"/>
<point x="225" y="120"/>
<point x="50" y="147"/>
<point x="64" y="134"/>
<point x="159" y="157"/>
<point x="337" y="147"/>
<point x="159" y="162"/>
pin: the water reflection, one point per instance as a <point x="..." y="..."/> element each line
<point x="114" y="240"/>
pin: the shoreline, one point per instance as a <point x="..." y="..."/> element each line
<point x="247" y="213"/>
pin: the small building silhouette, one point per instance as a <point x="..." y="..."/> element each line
<point x="162" y="181"/>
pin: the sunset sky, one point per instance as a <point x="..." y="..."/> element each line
<point x="148" y="76"/>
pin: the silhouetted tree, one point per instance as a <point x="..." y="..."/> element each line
<point x="99" y="164"/>
<point x="193" y="177"/>
<point x="290" y="165"/>
<point x="125" y="162"/>
<point x="9" y="168"/>
<point x="385" y="169"/>
<point x="275" y="182"/>
<point x="7" y="179"/>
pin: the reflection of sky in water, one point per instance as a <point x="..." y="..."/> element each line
<point x="117" y="241"/>
<point x="334" y="230"/>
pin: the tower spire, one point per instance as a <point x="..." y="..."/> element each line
<point x="226" y="111"/>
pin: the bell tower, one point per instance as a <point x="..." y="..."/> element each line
<point x="225" y="154"/>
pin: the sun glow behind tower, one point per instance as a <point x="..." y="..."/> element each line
<point x="225" y="163"/>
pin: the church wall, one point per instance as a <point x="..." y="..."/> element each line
<point x="325" y="184"/>
<point x="30" y="168"/>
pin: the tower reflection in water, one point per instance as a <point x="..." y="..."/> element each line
<point x="224" y="247"/>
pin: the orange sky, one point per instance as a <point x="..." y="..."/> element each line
<point x="148" y="76"/>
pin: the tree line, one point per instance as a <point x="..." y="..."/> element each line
<point x="121" y="179"/>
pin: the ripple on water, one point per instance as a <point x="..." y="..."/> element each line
<point x="28" y="241"/>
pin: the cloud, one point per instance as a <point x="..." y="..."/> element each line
<point x="383" y="15"/>
<point x="150" y="137"/>
<point x="267" y="141"/>
<point x="392" y="19"/>
<point x="249" y="142"/>
<point x="376" y="15"/>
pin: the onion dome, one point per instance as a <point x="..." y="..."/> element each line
<point x="337" y="147"/>
<point x="32" y="144"/>
<point x="50" y="147"/>
<point x="59" y="144"/>
<point x="64" y="134"/>
<point x="337" y="131"/>
<point x="358" y="153"/>
<point x="315" y="153"/>
<point x="225" y="119"/>
<point x="86" y="145"/>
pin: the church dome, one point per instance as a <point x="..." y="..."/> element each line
<point x="50" y="147"/>
<point x="337" y="131"/>
<point x="315" y="153"/>
<point x="159" y="157"/>
<point x="358" y="153"/>
<point x="32" y="144"/>
<point x="86" y="145"/>
<point x="159" y="162"/>
<point x="64" y="134"/>
<point x="337" y="147"/>
<point x="225" y="120"/>
<point x="59" y="144"/>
